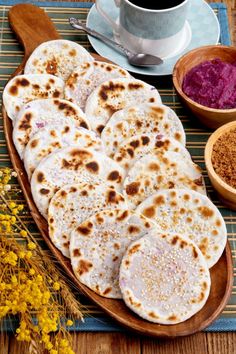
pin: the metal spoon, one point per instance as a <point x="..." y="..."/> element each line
<point x="138" y="59"/>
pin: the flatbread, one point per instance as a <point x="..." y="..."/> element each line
<point x="25" y="88"/>
<point x="72" y="165"/>
<point x="41" y="113"/>
<point x="73" y="204"/>
<point x="164" y="278"/>
<point x="98" y="244"/>
<point x="87" y="77"/>
<point x="58" y="57"/>
<point x="141" y="119"/>
<point x="52" y="138"/>
<point x="157" y="171"/>
<point x="190" y="213"/>
<point x="134" y="148"/>
<point x="114" y="95"/>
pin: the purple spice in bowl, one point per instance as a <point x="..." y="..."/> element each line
<point x="212" y="84"/>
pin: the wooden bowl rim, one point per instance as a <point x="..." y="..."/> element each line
<point x="179" y="88"/>
<point x="208" y="153"/>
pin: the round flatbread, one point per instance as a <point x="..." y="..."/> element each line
<point x="58" y="57"/>
<point x="164" y="278"/>
<point x="134" y="148"/>
<point x="52" y="138"/>
<point x="72" y="165"/>
<point x="41" y="113"/>
<point x="25" y="88"/>
<point x="154" y="172"/>
<point x="191" y="213"/>
<point x="73" y="204"/>
<point x="141" y="119"/>
<point x="87" y="77"/>
<point x="97" y="247"/>
<point x="114" y="95"/>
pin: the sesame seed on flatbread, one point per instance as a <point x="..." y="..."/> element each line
<point x="73" y="204"/>
<point x="191" y="213"/>
<point x="164" y="278"/>
<point x="41" y="113"/>
<point x="141" y="119"/>
<point x="72" y="165"/>
<point x="114" y="95"/>
<point x="57" y="57"/>
<point x="25" y="88"/>
<point x="98" y="244"/>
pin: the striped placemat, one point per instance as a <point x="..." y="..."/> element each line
<point x="11" y="55"/>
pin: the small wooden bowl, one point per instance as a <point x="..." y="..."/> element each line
<point x="211" y="117"/>
<point x="226" y="193"/>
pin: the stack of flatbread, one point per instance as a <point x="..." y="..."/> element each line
<point x="110" y="172"/>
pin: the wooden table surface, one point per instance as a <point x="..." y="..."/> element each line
<point x="116" y="343"/>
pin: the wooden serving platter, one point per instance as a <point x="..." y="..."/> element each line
<point x="33" y="27"/>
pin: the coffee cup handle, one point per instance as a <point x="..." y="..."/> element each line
<point x="108" y="19"/>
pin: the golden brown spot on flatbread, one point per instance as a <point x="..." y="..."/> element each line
<point x="183" y="244"/>
<point x="159" y="143"/>
<point x="84" y="193"/>
<point x="51" y="67"/>
<point x="116" y="246"/>
<point x="173" y="203"/>
<point x="22" y="82"/>
<point x="127" y="262"/>
<point x="34" y="143"/>
<point x="47" y="87"/>
<point x="173" y="194"/>
<point x="203" y="245"/>
<point x="214" y="232"/>
<point x="171" y="185"/>
<point x="36" y="86"/>
<point x="100" y="128"/>
<point x="52" y="81"/>
<point x="53" y="133"/>
<point x="133" y="229"/>
<point x="66" y="129"/>
<point x="132" y="188"/>
<point x="56" y="94"/>
<point x="182" y="211"/>
<point x="159" y="200"/>
<point x="134" y="303"/>
<point x="107" y="291"/>
<point x="114" y="176"/>
<point x="195" y="254"/>
<point x="135" y="86"/>
<point x="188" y="219"/>
<point x="109" y="87"/>
<point x="13" y="90"/>
<point x="201" y="297"/>
<point x="134" y="144"/>
<point x="177" y="136"/>
<point x="153" y="315"/>
<point x="76" y="252"/>
<point x="204" y="285"/>
<point x="72" y="52"/>
<point x="173" y="318"/>
<point x="111" y="197"/>
<point x="186" y="197"/>
<point x="44" y="191"/>
<point x="51" y="220"/>
<point x="83" y="230"/>
<point x="114" y="259"/>
<point x="83" y="154"/>
<point x="108" y="68"/>
<point x="63" y="194"/>
<point x="25" y="122"/>
<point x="174" y="240"/>
<point x="130" y="152"/>
<point x="134" y="249"/>
<point x="218" y="222"/>
<point x="149" y="212"/>
<point x="206" y="212"/>
<point x="145" y="140"/>
<point x="153" y="166"/>
<point x="123" y="216"/>
<point x="40" y="177"/>
<point x="92" y="166"/>
<point x="83" y="124"/>
<point x="152" y="100"/>
<point x="73" y="189"/>
<point x="84" y="267"/>
<point x="147" y="225"/>
<point x="66" y="244"/>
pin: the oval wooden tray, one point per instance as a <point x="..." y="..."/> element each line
<point x="32" y="27"/>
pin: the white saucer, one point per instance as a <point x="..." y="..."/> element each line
<point x="202" y="28"/>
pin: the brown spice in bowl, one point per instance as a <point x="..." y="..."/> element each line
<point x="224" y="157"/>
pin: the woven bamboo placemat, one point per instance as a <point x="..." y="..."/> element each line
<point x="11" y="55"/>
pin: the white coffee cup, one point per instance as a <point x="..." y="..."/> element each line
<point x="157" y="32"/>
